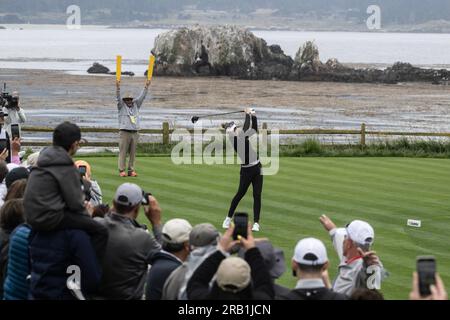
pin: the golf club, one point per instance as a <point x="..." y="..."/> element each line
<point x="196" y="118"/>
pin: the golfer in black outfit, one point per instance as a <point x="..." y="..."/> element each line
<point x="250" y="167"/>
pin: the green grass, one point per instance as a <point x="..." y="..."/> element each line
<point x="383" y="191"/>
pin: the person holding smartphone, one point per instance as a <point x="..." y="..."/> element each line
<point x="16" y="116"/>
<point x="95" y="192"/>
<point x="427" y="284"/>
<point x="5" y="142"/>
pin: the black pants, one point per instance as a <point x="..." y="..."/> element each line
<point x="251" y="175"/>
<point x="97" y="232"/>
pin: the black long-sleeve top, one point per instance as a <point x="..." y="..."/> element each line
<point x="241" y="141"/>
<point x="261" y="287"/>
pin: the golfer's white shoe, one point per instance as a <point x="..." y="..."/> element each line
<point x="226" y="223"/>
<point x="255" y="227"/>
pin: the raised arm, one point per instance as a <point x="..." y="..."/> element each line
<point x="140" y="99"/>
<point x="250" y="122"/>
<point x="119" y="97"/>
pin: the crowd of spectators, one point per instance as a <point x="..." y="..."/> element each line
<point x="52" y="219"/>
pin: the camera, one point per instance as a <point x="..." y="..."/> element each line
<point x="145" y="196"/>
<point x="7" y="100"/>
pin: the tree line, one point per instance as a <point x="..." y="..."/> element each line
<point x="393" y="11"/>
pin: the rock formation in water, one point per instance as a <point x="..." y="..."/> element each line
<point x="232" y="51"/>
<point x="98" y="68"/>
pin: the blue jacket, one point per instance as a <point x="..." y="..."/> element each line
<point x="51" y="254"/>
<point x="163" y="264"/>
<point x="16" y="286"/>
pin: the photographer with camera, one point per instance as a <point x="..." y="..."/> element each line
<point x="10" y="104"/>
<point x="125" y="262"/>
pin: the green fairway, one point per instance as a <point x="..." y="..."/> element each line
<point x="383" y="191"/>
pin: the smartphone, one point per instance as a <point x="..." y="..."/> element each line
<point x="3" y="145"/>
<point x="240" y="225"/>
<point x="426" y="269"/>
<point x="82" y="170"/>
<point x="15" y="131"/>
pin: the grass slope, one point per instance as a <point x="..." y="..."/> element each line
<point x="383" y="191"/>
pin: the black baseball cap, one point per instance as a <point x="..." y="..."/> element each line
<point x="66" y="134"/>
<point x="16" y="174"/>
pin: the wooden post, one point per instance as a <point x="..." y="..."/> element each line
<point x="363" y="135"/>
<point x="265" y="135"/>
<point x="166" y="136"/>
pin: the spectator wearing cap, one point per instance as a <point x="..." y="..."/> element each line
<point x="3" y="173"/>
<point x="54" y="199"/>
<point x="274" y="261"/>
<point x="236" y="278"/>
<point x="310" y="265"/>
<point x="125" y="263"/>
<point x="359" y="267"/>
<point x="16" y="174"/>
<point x="31" y="161"/>
<point x="203" y="242"/>
<point x="175" y="250"/>
<point x="95" y="192"/>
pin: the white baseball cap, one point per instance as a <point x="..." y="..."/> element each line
<point x="176" y="231"/>
<point x="360" y="232"/>
<point x="311" y="252"/>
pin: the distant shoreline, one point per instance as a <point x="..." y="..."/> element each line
<point x="397" y="29"/>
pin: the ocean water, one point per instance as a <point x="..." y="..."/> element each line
<point x="57" y="48"/>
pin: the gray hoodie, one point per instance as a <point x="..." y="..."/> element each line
<point x="129" y="117"/>
<point x="53" y="190"/>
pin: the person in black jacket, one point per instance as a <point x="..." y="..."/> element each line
<point x="51" y="254"/>
<point x="251" y="169"/>
<point x="175" y="250"/>
<point x="310" y="265"/>
<point x="53" y="198"/>
<point x="236" y="278"/>
<point x="274" y="261"/>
